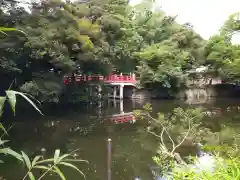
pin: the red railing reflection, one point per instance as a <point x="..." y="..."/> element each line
<point x="124" y="118"/>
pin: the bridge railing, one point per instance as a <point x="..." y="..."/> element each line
<point x="120" y="78"/>
<point x="110" y="78"/>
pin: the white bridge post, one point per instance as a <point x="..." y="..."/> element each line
<point x="121" y="106"/>
<point x="121" y="91"/>
<point x="114" y="92"/>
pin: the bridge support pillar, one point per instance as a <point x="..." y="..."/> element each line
<point x="133" y="104"/>
<point x="90" y="88"/>
<point x="121" y="107"/>
<point x="114" y="92"/>
<point x="99" y="91"/>
<point x="121" y="92"/>
<point x="134" y="93"/>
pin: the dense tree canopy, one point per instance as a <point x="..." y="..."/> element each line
<point x="221" y="54"/>
<point x="168" y="50"/>
<point x="97" y="36"/>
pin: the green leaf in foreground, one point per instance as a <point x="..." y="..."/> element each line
<point x="45" y="161"/>
<point x="59" y="172"/>
<point x="76" y="160"/>
<point x="2" y="101"/>
<point x="35" y="160"/>
<point x="63" y="157"/>
<point x="7" y="29"/>
<point x="3" y="141"/>
<point x="2" y="29"/>
<point x="56" y="156"/>
<point x="27" y="160"/>
<point x="41" y="167"/>
<point x="11" y="95"/>
<point x="31" y="176"/>
<point x="73" y="167"/>
<point x="3" y="128"/>
<point x="3" y="33"/>
<point x="12" y="153"/>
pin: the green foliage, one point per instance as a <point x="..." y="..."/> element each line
<point x="94" y="37"/>
<point x="186" y="127"/>
<point x="11" y="97"/>
<point x="46" y="89"/>
<point x="65" y="45"/>
<point x="225" y="169"/>
<point x="221" y="54"/>
<point x="173" y="130"/>
<point x="223" y="57"/>
<point x="168" y="49"/>
<point x="2" y="101"/>
<point x="51" y="165"/>
<point x="100" y="37"/>
<point x="3" y="30"/>
<point x="177" y="126"/>
<point x="218" y="51"/>
<point x="164" y="163"/>
<point x="231" y="25"/>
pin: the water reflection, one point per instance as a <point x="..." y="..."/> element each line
<point x="132" y="146"/>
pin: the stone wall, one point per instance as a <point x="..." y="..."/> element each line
<point x="227" y="90"/>
<point x="134" y="93"/>
<point x="192" y="93"/>
<point x="198" y="92"/>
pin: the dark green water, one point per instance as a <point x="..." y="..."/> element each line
<point x="132" y="147"/>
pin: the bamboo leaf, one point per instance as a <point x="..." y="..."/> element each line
<point x="27" y="160"/>
<point x="35" y="160"/>
<point x="22" y="32"/>
<point x="3" y="33"/>
<point x="45" y="161"/>
<point x="3" y="128"/>
<point x="2" y="29"/>
<point x="7" y="29"/>
<point x="73" y="167"/>
<point x="56" y="156"/>
<point x="59" y="172"/>
<point x="12" y="153"/>
<point x="31" y="176"/>
<point x="2" y="101"/>
<point x="41" y="167"/>
<point x="62" y="157"/>
<point x="3" y="141"/>
<point x="76" y="160"/>
<point x="26" y="98"/>
<point x="12" y="99"/>
<point x="32" y="98"/>
<point x="30" y="101"/>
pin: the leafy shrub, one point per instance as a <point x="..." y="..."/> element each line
<point x="51" y="165"/>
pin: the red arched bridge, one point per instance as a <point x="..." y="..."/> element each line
<point x="114" y="78"/>
<point x="116" y="81"/>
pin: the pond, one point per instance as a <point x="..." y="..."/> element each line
<point x="89" y="129"/>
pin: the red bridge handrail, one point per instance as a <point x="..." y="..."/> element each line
<point x="108" y="79"/>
